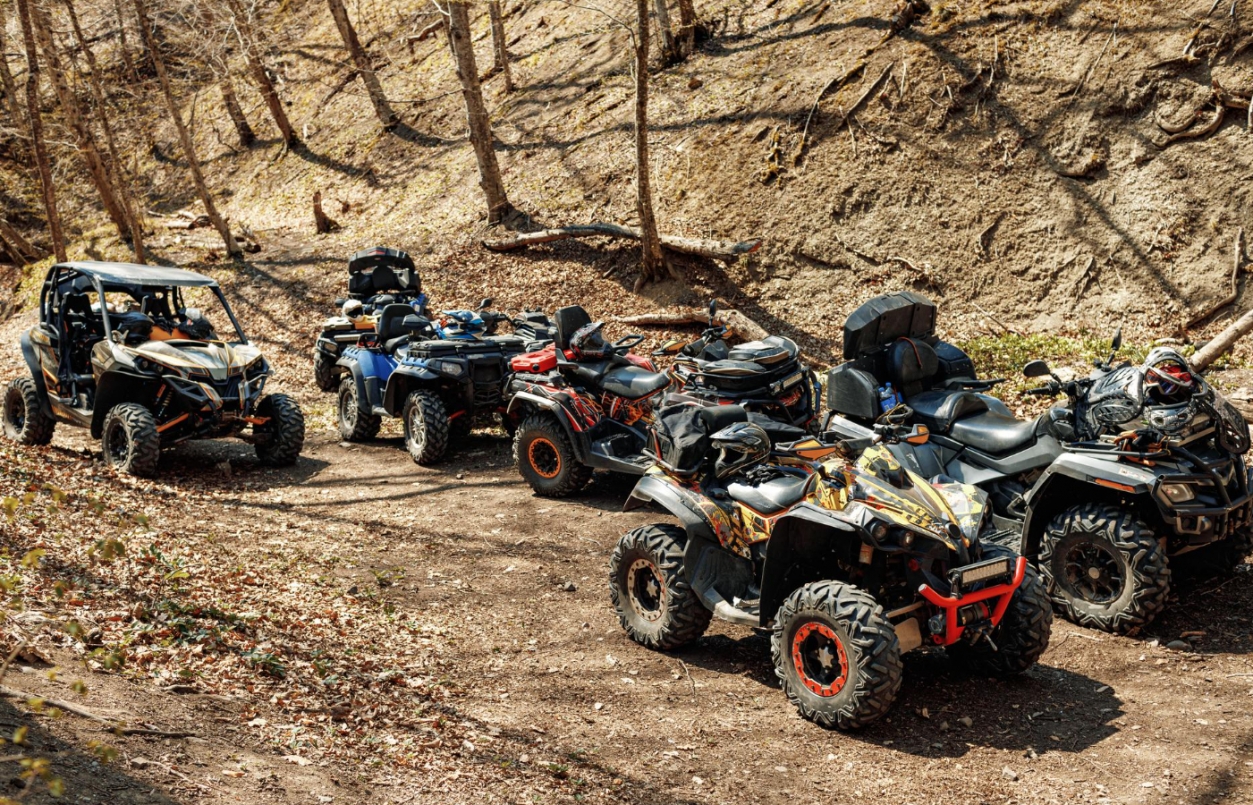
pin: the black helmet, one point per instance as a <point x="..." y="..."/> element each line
<point x="740" y="445"/>
<point x="588" y="344"/>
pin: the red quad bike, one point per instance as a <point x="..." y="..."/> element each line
<point x="580" y="405"/>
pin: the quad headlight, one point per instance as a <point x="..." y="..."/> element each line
<point x="450" y="368"/>
<point x="1178" y="493"/>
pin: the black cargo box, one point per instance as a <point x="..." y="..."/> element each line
<point x="886" y="318"/>
<point x="382" y="270"/>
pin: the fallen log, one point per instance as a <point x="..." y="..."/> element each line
<point x="1222" y="342"/>
<point x="20" y="243"/>
<point x="714" y="249"/>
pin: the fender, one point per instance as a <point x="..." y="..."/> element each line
<point x="559" y="412"/>
<point x="353" y="367"/>
<point x="682" y="504"/>
<point x="1116" y="476"/>
<point x="117" y="387"/>
<point x="404" y="380"/>
<point x="805" y="545"/>
<point x="36" y="371"/>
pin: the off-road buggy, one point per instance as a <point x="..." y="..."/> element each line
<point x="437" y="376"/>
<point x="1099" y="492"/>
<point x="120" y="348"/>
<point x="766" y="376"/>
<point x="850" y="560"/>
<point x="377" y="277"/>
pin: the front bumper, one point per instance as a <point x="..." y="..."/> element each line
<point x="1220" y="509"/>
<point x="956" y="609"/>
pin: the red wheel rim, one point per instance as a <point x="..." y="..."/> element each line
<point x="544" y="458"/>
<point x="820" y="660"/>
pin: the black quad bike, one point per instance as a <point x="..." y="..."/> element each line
<point x="120" y="349"/>
<point x="1140" y="465"/>
<point x="850" y="559"/>
<point x="377" y="277"/>
<point x="765" y="376"/>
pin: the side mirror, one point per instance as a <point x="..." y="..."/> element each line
<point x="1116" y="344"/>
<point x="412" y="322"/>
<point x="1036" y="369"/>
<point x="117" y="337"/>
<point x="713" y="309"/>
<point x="338" y="302"/>
<point x="485" y="304"/>
<point x="671" y="347"/>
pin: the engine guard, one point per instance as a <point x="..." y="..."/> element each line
<point x="951" y="605"/>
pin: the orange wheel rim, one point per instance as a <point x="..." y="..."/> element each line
<point x="819" y="657"/>
<point x="544" y="458"/>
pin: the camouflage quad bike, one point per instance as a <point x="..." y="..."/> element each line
<point x="848" y="558"/>
<point x="119" y="349"/>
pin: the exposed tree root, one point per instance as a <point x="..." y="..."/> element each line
<point x="714" y="249"/>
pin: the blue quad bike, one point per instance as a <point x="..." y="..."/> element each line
<point x="436" y="376"/>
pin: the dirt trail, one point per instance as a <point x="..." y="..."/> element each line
<point x="555" y="690"/>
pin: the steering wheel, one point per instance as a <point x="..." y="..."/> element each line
<point x="625" y="344"/>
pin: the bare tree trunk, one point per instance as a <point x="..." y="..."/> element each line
<point x="669" y="52"/>
<point x="116" y="169"/>
<point x="184" y="136"/>
<point x="365" y="68"/>
<point x="499" y="47"/>
<point x="74" y="118"/>
<point x="498" y="206"/>
<point x="236" y="113"/>
<point x="259" y="75"/>
<point x="7" y="85"/>
<point x="651" y="261"/>
<point x="687" y="28"/>
<point x="127" y="59"/>
<point x="36" y="132"/>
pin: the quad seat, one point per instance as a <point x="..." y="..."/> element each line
<point x="768" y="351"/>
<point x="633" y="382"/>
<point x="992" y="432"/>
<point x="938" y="410"/>
<point x="770" y="496"/>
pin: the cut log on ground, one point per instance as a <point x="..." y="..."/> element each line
<point x="714" y="249"/>
<point x="1222" y="342"/>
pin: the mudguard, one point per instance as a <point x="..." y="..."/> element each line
<point x="700" y="517"/>
<point x="36" y="371"/>
<point x="1092" y="469"/>
<point x="577" y="440"/>
<point x="116" y="388"/>
<point x="403" y="380"/>
<point x="799" y="552"/>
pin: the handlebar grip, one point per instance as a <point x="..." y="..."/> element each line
<point x="1042" y="390"/>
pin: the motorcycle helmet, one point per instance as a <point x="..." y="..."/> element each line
<point x="1168" y="380"/>
<point x="353" y="309"/>
<point x="739" y="446"/>
<point x="588" y="344"/>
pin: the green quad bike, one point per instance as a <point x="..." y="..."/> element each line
<point x="849" y="559"/>
<point x="119" y="349"/>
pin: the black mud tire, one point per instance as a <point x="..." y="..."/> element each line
<point x="130" y="440"/>
<point x="426" y="427"/>
<point x="1135" y="574"/>
<point x="649" y="591"/>
<point x="867" y="669"/>
<point x="355" y="425"/>
<point x="1023" y="633"/>
<point x="24" y="418"/>
<point x="324" y="370"/>
<point x="280" y="440"/>
<point x="544" y="456"/>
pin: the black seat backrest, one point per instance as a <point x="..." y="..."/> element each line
<point x="912" y="365"/>
<point x="391" y="322"/>
<point x="569" y="320"/>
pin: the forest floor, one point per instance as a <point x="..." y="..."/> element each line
<point x="360" y="629"/>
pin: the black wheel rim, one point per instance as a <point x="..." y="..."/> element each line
<point x="17" y="412"/>
<point x="647" y="589"/>
<point x="819" y="658"/>
<point x="1093" y="572"/>
<point x="116" y="444"/>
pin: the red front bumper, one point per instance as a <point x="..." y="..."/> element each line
<point x="951" y="605"/>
